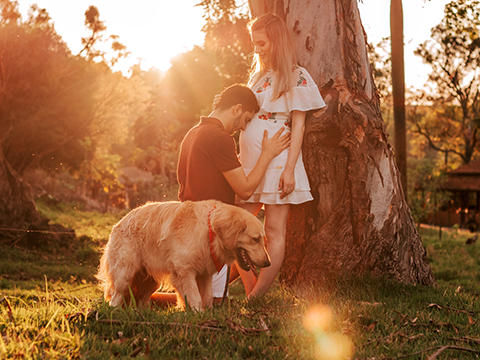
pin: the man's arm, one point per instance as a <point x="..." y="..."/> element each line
<point x="244" y="186"/>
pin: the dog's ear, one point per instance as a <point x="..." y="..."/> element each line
<point x="228" y="225"/>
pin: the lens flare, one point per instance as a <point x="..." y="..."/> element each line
<point x="318" y="317"/>
<point x="330" y="345"/>
<point x="334" y="347"/>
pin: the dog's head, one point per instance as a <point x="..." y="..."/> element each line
<point x="241" y="236"/>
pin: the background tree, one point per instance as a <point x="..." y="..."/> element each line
<point x="59" y="109"/>
<point x="17" y="208"/>
<point x="359" y="221"/>
<point x="380" y="59"/>
<point x="426" y="170"/>
<point x="227" y="39"/>
<point x="92" y="45"/>
<point x="190" y="85"/>
<point x="58" y="112"/>
<point x="398" y="87"/>
<point x="156" y="133"/>
<point x="453" y="52"/>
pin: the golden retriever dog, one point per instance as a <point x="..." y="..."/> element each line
<point x="168" y="243"/>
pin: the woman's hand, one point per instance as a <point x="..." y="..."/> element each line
<point x="216" y="100"/>
<point x="286" y="183"/>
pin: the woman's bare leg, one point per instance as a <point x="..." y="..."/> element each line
<point x="249" y="280"/>
<point x="164" y="299"/>
<point x="275" y="229"/>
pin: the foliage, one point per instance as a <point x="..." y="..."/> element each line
<point x="159" y="189"/>
<point x="227" y="38"/>
<point x="424" y="196"/>
<point x="9" y="12"/>
<point x="177" y="99"/>
<point x="453" y="52"/>
<point x="156" y="133"/>
<point x="439" y="127"/>
<point x="381" y="67"/>
<point x="63" y="112"/>
<point x="97" y="37"/>
<point x="190" y="85"/>
<point x="36" y="122"/>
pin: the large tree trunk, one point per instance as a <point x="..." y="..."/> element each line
<point x="20" y="222"/>
<point x="359" y="221"/>
<point x="17" y="206"/>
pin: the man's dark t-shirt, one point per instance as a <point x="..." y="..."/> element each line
<point x="206" y="152"/>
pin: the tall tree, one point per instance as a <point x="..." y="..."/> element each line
<point x="97" y="27"/>
<point x="453" y="52"/>
<point x="398" y="87"/>
<point x="17" y="207"/>
<point x="227" y="39"/>
<point x="56" y="109"/>
<point x="359" y="221"/>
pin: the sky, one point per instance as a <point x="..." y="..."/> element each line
<point x="156" y="30"/>
<point x="419" y="17"/>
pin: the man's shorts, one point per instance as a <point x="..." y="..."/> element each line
<point x="218" y="282"/>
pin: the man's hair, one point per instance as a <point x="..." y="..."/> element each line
<point x="238" y="94"/>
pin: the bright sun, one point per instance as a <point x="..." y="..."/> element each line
<point x="153" y="31"/>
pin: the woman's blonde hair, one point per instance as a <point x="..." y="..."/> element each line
<point x="282" y="54"/>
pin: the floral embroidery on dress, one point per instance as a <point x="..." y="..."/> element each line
<point x="301" y="80"/>
<point x="269" y="116"/>
<point x="265" y="85"/>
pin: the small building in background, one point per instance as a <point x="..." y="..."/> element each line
<point x="464" y="184"/>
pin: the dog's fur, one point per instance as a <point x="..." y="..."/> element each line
<point x="168" y="243"/>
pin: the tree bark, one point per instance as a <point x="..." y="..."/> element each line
<point x="17" y="203"/>
<point x="20" y="221"/>
<point x="359" y="221"/>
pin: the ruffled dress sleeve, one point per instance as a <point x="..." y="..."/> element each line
<point x="303" y="96"/>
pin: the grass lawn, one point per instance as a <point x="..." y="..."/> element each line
<point x="51" y="309"/>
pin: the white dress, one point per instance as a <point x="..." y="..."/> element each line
<point x="273" y="115"/>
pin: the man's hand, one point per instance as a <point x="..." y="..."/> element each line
<point x="275" y="145"/>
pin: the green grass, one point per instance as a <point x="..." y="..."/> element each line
<point x="455" y="264"/>
<point x="50" y="308"/>
<point x="71" y="215"/>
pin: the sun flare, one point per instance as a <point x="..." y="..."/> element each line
<point x="330" y="345"/>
